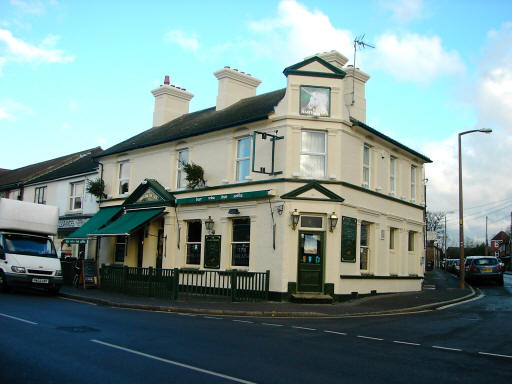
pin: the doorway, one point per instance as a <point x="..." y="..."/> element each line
<point x="310" y="277"/>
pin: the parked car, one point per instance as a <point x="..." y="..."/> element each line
<point x="429" y="266"/>
<point x="484" y="268"/>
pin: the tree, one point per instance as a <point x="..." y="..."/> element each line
<point x="96" y="187"/>
<point x="434" y="220"/>
<point x="194" y="175"/>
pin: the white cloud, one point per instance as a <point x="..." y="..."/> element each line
<point x="415" y="58"/>
<point x="404" y="11"/>
<point x="17" y="50"/>
<point x="298" y="32"/>
<point x="35" y="7"/>
<point x="11" y="110"/>
<point x="187" y="42"/>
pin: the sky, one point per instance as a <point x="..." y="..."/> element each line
<point x="78" y="74"/>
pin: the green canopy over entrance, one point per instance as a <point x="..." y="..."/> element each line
<point x="128" y="222"/>
<point x="102" y="217"/>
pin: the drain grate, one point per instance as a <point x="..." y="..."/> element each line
<point x="78" y="329"/>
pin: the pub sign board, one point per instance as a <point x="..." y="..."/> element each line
<point x="212" y="251"/>
<point x="90" y="273"/>
<point x="315" y="101"/>
<point x="348" y="239"/>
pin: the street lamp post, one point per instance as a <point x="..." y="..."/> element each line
<point x="461" y="209"/>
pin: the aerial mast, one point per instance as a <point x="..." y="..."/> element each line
<point x="358" y="42"/>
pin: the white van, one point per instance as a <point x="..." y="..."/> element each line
<point x="27" y="254"/>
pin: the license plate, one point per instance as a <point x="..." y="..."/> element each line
<point x="486" y="270"/>
<point x="41" y="281"/>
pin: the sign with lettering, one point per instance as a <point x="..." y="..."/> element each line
<point x="223" y="197"/>
<point x="71" y="223"/>
<point x="212" y="251"/>
<point x="90" y="273"/>
<point x="348" y="239"/>
<point x="315" y="101"/>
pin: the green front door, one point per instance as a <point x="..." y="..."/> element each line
<point x="311" y="261"/>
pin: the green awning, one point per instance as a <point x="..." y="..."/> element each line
<point x="102" y="217"/>
<point x="128" y="222"/>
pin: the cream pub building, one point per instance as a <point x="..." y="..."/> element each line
<point x="295" y="183"/>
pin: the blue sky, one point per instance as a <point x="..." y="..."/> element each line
<point x="76" y="74"/>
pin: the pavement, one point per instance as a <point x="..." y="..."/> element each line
<point x="439" y="289"/>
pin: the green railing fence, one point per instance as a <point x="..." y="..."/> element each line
<point x="180" y="283"/>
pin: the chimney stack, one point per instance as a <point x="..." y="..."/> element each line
<point x="354" y="85"/>
<point x="234" y="86"/>
<point x="170" y="102"/>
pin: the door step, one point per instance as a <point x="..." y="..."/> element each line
<point x="311" y="298"/>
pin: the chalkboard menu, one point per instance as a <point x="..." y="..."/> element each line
<point x="90" y="273"/>
<point x="348" y="239"/>
<point x="212" y="251"/>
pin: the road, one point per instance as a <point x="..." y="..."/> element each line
<point x="48" y="339"/>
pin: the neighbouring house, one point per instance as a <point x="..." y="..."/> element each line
<point x="60" y="182"/>
<point x="294" y="181"/>
<point x="433" y="254"/>
<point x="502" y="240"/>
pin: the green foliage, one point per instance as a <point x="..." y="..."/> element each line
<point x="96" y="188"/>
<point x="194" y="175"/>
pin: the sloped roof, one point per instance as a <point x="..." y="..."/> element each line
<point x="297" y="69"/>
<point x="80" y="166"/>
<point x="389" y="139"/>
<point x="19" y="176"/>
<point x="207" y="120"/>
<point x="502" y="236"/>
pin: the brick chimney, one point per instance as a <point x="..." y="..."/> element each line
<point x="234" y="86"/>
<point x="170" y="102"/>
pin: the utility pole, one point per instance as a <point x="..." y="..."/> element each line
<point x="486" y="241"/>
<point x="445" y="236"/>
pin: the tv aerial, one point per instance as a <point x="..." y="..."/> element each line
<point x="358" y="42"/>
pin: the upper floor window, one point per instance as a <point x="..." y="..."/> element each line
<point x="181" y="181"/>
<point x="243" y="155"/>
<point x="76" y="193"/>
<point x="413" y="183"/>
<point x="392" y="175"/>
<point x="124" y="177"/>
<point x="313" y="154"/>
<point x="241" y="239"/>
<point x="366" y="166"/>
<point x="40" y="195"/>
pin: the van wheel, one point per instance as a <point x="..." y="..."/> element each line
<point x="3" y="282"/>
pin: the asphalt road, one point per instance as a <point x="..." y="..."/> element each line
<point x="46" y="339"/>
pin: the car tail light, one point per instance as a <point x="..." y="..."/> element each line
<point x="499" y="268"/>
<point x="474" y="269"/>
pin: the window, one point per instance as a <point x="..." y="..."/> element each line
<point x="194" y="242"/>
<point x="76" y="192"/>
<point x="241" y="242"/>
<point x="364" y="246"/>
<point x="413" y="183"/>
<point x="392" y="175"/>
<point x="410" y="243"/>
<point x="366" y="166"/>
<point x="124" y="177"/>
<point x="181" y="182"/>
<point x="243" y="155"/>
<point x="392" y="234"/>
<point x="120" y="251"/>
<point x="311" y="222"/>
<point x="313" y="154"/>
<point x="40" y="195"/>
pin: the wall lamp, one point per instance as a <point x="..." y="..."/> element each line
<point x="295" y="219"/>
<point x="333" y="220"/>
<point x="209" y="223"/>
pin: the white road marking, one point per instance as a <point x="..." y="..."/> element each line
<point x="272" y="325"/>
<point x="370" y="338"/>
<point x="77" y="301"/>
<point x="405" y="342"/>
<point x="17" y="318"/>
<point x="336" y="333"/>
<point x="446" y="348"/>
<point x="462" y="302"/>
<point x="244" y="321"/>
<point x="211" y="317"/>
<point x="305" y="328"/>
<point x="187" y="366"/>
<point x="187" y="314"/>
<point x="494" y="354"/>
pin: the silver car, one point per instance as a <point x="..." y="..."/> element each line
<point x="483" y="268"/>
